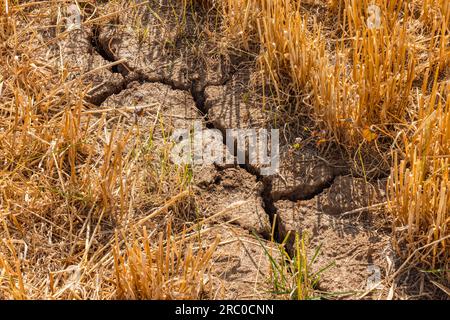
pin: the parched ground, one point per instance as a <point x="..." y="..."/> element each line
<point x="158" y="76"/>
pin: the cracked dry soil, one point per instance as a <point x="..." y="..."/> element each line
<point x="182" y="77"/>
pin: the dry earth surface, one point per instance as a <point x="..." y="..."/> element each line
<point x="170" y="77"/>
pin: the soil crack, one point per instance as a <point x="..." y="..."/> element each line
<point x="197" y="90"/>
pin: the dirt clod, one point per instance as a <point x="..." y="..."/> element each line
<point x="232" y="186"/>
<point x="356" y="244"/>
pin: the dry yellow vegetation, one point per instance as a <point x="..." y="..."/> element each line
<point x="75" y="185"/>
<point x="376" y="76"/>
<point x="375" y="82"/>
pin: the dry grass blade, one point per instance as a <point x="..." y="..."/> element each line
<point x="167" y="269"/>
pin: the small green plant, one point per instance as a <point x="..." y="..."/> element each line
<point x="292" y="273"/>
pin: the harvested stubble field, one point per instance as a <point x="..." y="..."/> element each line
<point x="93" y="207"/>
